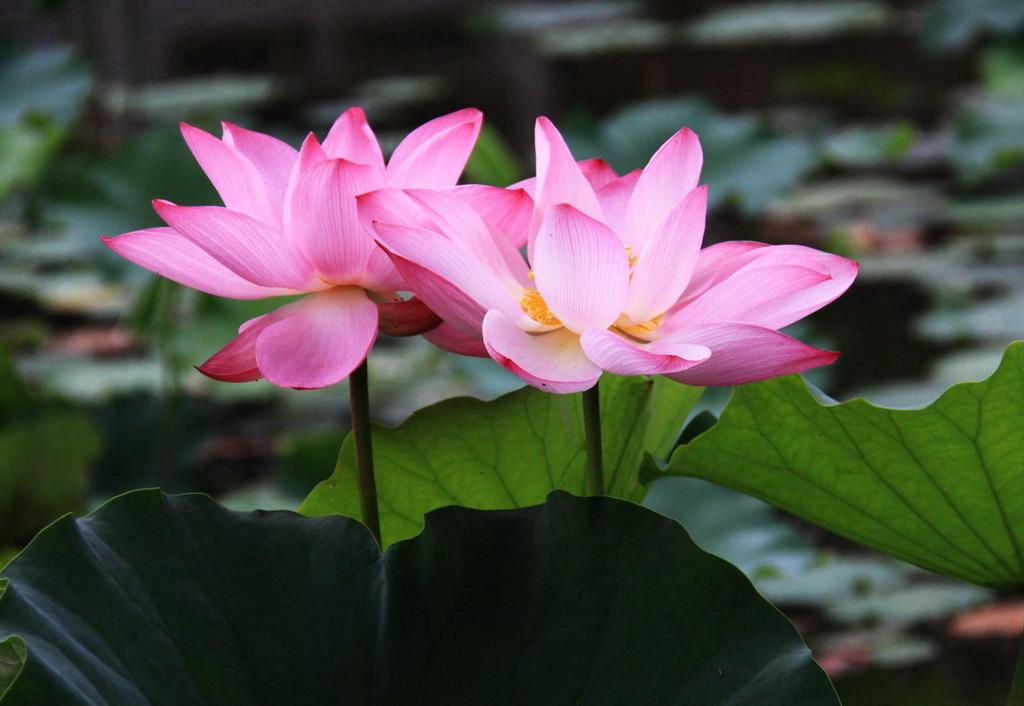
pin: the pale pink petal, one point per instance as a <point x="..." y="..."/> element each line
<point x="236" y="362"/>
<point x="437" y="163"/>
<point x="663" y="268"/>
<point x="352" y="139"/>
<point x="507" y="210"/>
<point x="581" y="269"/>
<point x="380" y="273"/>
<point x="742" y="353"/>
<point x="248" y="247"/>
<point x="318" y="340"/>
<point x="552" y="361"/>
<point x="432" y="129"/>
<point x="392" y="206"/>
<point x="598" y="172"/>
<point x="233" y="176"/>
<point x="322" y="219"/>
<point x="559" y="179"/>
<point x="718" y="262"/>
<point x="172" y="255"/>
<point x="671" y="174"/>
<point x="310" y="155"/>
<point x="451" y="339"/>
<point x="447" y="278"/>
<point x="405" y="318"/>
<point x="272" y="158"/>
<point x="621" y="356"/>
<point x="614" y="199"/>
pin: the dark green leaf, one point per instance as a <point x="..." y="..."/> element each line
<point x="510" y="452"/>
<point x="940" y="487"/>
<point x="175" y="600"/>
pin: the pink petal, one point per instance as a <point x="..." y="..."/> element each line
<point x="352" y="139"/>
<point x="447" y="278"/>
<point x="614" y="199"/>
<point x="451" y="339"/>
<point x="380" y="273"/>
<point x="621" y="356"/>
<point x="718" y="262"/>
<point x="581" y="269"/>
<point x="322" y="219"/>
<point x="248" y="247"/>
<point x="664" y="266"/>
<point x="559" y="179"/>
<point x="236" y="362"/>
<point x="598" y="172"/>
<point x="172" y="255"/>
<point x="433" y="155"/>
<point x="742" y="353"/>
<point x="671" y="174"/>
<point x="318" y="340"/>
<point x="272" y="158"/>
<point x="234" y="177"/>
<point x="405" y="318"/>
<point x="552" y="361"/>
<point x="507" y="210"/>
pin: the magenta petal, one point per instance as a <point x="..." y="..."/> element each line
<point x="621" y="356"/>
<point x="236" y="362"/>
<point x="663" y="268"/>
<point x="507" y="210"/>
<point x="598" y="172"/>
<point x="172" y="255"/>
<point x="552" y="361"/>
<point x="671" y="174"/>
<point x="581" y="269"/>
<point x="322" y="219"/>
<point x="233" y="176"/>
<point x="318" y="340"/>
<point x="352" y="139"/>
<point x="272" y="158"/>
<point x="250" y="248"/>
<point x="742" y="353"/>
<point x="408" y="318"/>
<point x="451" y="339"/>
<point x="437" y="163"/>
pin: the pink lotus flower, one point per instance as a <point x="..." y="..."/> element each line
<point x="616" y="279"/>
<point x="289" y="226"/>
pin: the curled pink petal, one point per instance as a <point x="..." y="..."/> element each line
<point x="272" y="158"/>
<point x="618" y="355"/>
<point x="318" y="340"/>
<point x="407" y="318"/>
<point x="234" y="177"/>
<point x="250" y="248"/>
<point x="671" y="174"/>
<point x="323" y="221"/>
<point x="433" y="155"/>
<point x="663" y="268"/>
<point x="552" y="361"/>
<point x="451" y="339"/>
<point x="742" y="353"/>
<point x="236" y="362"/>
<point x="507" y="210"/>
<point x="172" y="255"/>
<point x="352" y="139"/>
<point x="581" y="269"/>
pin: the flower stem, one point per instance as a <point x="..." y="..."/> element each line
<point x="359" y="396"/>
<point x="592" y="436"/>
<point x="1016" y="697"/>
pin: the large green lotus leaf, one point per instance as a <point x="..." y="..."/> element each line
<point x="506" y="453"/>
<point x="176" y="600"/>
<point x="941" y="487"/>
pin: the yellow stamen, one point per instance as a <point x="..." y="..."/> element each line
<point x="632" y="258"/>
<point x="535" y="307"/>
<point x="644" y="327"/>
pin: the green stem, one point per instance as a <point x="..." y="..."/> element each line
<point x="1016" y="697"/>
<point x="359" y="395"/>
<point x="592" y="436"/>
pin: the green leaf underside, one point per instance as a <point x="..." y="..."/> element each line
<point x="175" y="600"/>
<point x="941" y="487"/>
<point x="506" y="453"/>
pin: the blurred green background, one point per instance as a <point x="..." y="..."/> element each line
<point x="888" y="131"/>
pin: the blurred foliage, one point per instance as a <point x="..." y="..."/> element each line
<point x="789" y="22"/>
<point x="954" y="24"/>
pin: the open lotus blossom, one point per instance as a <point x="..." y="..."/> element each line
<point x="289" y="226"/>
<point x="615" y="280"/>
